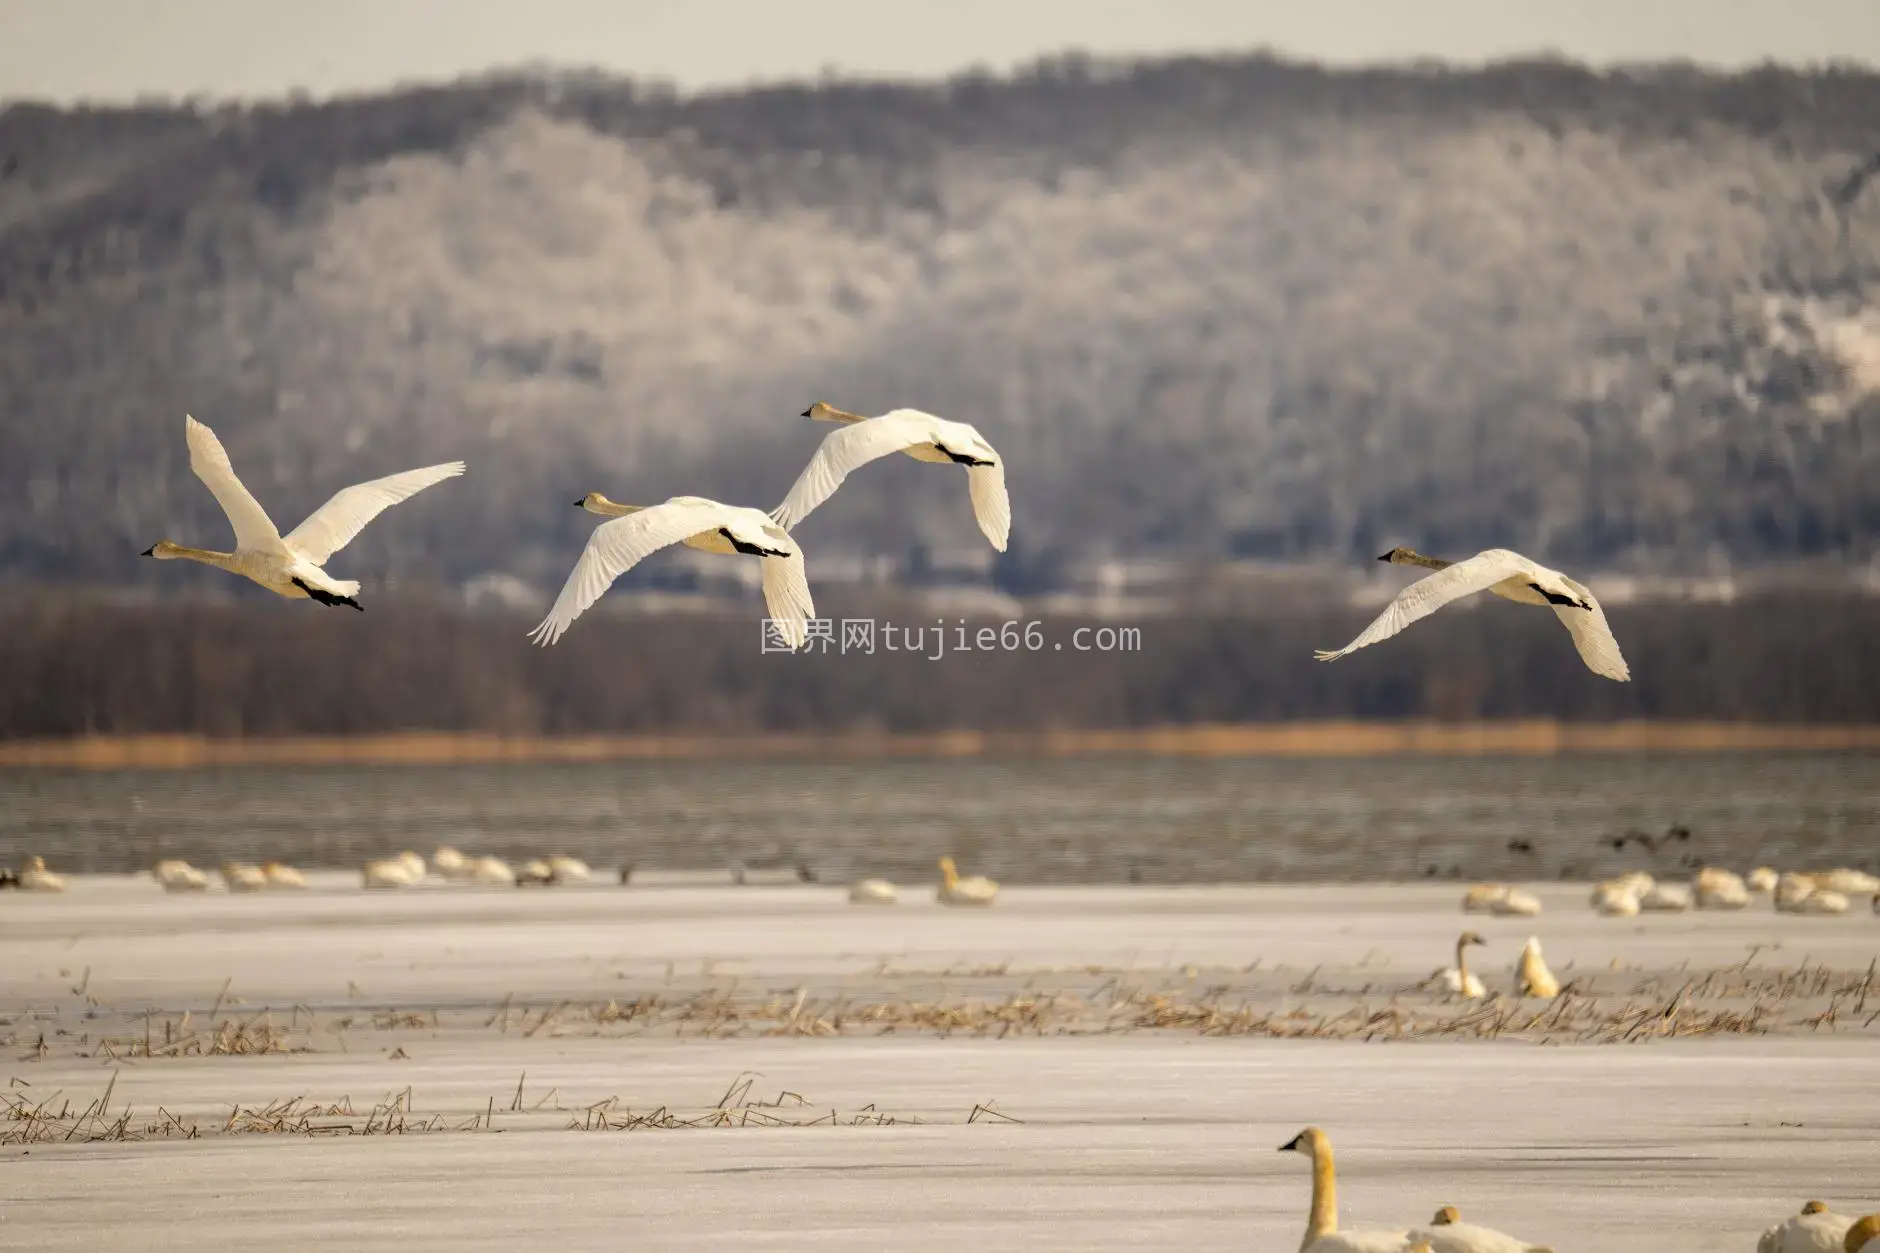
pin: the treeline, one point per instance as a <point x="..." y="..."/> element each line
<point x="73" y="667"/>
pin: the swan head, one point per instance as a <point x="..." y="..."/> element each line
<point x="1815" y="1207"/>
<point x="162" y="550"/>
<point x="1309" y="1142"/>
<point x="36" y="862"/>
<point x="821" y="411"/>
<point x="946" y="864"/>
<point x="1470" y="937"/>
<point x="1401" y="556"/>
<point x="1447" y="1216"/>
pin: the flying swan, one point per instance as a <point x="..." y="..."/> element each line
<point x="638" y="531"/>
<point x="290" y="565"/>
<point x="1510" y="576"/>
<point x="922" y="437"/>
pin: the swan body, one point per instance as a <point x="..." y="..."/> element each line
<point x="1666" y="898"/>
<point x="449" y="863"/>
<point x="1791" y="891"/>
<point x="1461" y="980"/>
<point x="1636" y="881"/>
<point x="974" y="890"/>
<point x="179" y="876"/>
<point x="1847" y="882"/>
<point x="921" y="436"/>
<point x="1322" y="1234"/>
<point x="567" y="869"/>
<point x="492" y="871"/>
<point x="34" y="877"/>
<point x="282" y="876"/>
<point x="637" y="532"/>
<point x="1761" y="879"/>
<point x="535" y="873"/>
<point x="1481" y="897"/>
<point x="1864" y="1232"/>
<point x="1447" y="1233"/>
<point x="1510" y="576"/>
<point x="1817" y="1229"/>
<point x="1517" y="903"/>
<point x="872" y="892"/>
<point x="1532" y="977"/>
<point x="1721" y="889"/>
<point x="387" y="873"/>
<point x="1615" y="901"/>
<point x="242" y="877"/>
<point x="1822" y="901"/>
<point x="290" y="565"/>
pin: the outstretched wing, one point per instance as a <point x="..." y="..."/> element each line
<point x="254" y="530"/>
<point x="616" y="547"/>
<point x="842" y="452"/>
<point x="1592" y="636"/>
<point x="1425" y="596"/>
<point x="786" y="595"/>
<point x="336" y="523"/>
<point x="990" y="504"/>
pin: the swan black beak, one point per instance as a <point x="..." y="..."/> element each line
<point x="149" y="552"/>
<point x="1385" y="557"/>
<point x="579" y="503"/>
<point x="1291" y="1146"/>
<point x="803" y="414"/>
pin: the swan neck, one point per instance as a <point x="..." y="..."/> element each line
<point x="1323" y="1219"/>
<point x="1411" y="557"/>
<point x="207" y="556"/>
<point x="949" y="875"/>
<point x="832" y="414"/>
<point x="611" y="508"/>
<point x="1462" y="962"/>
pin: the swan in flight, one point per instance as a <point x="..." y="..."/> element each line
<point x="638" y="531"/>
<point x="1817" y="1229"/>
<point x="290" y="565"/>
<point x="1461" y="980"/>
<point x="1322" y="1233"/>
<point x="922" y="437"/>
<point x="1510" y="576"/>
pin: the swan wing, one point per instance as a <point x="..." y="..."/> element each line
<point x="254" y="530"/>
<point x="338" y="522"/>
<point x="991" y="507"/>
<point x="617" y="546"/>
<point x="786" y="595"/>
<point x="1469" y="1238"/>
<point x="1592" y="636"/>
<point x="1425" y="596"/>
<point x="1362" y="1240"/>
<point x="843" y="451"/>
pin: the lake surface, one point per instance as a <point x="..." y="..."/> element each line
<point x="1090" y="820"/>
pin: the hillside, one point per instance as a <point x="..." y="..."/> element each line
<point x="1205" y="307"/>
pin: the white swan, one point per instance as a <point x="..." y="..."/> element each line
<point x="449" y="863"/>
<point x="1322" y="1233"/>
<point x="1847" y="882"/>
<point x="872" y="892"/>
<point x="290" y="565"/>
<point x="283" y="876"/>
<point x="1817" y="1229"/>
<point x="922" y="437"/>
<point x="390" y="872"/>
<point x="1721" y="889"/>
<point x="1864" y="1232"/>
<point x="1666" y="898"/>
<point x="489" y="870"/>
<point x="34" y="877"/>
<point x="1532" y="977"/>
<point x="179" y="876"/>
<point x="1510" y="576"/>
<point x="1761" y="879"/>
<point x="1447" y="1233"/>
<point x="1460" y="979"/>
<point x="535" y="873"/>
<point x="638" y="531"/>
<point x="1791" y="891"/>
<point x="1822" y="901"/>
<point x="1516" y="902"/>
<point x="567" y="869"/>
<point x="1481" y="897"/>
<point x="242" y="877"/>
<point x="1615" y="899"/>
<point x="976" y="890"/>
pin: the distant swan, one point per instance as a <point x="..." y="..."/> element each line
<point x="535" y="873"/>
<point x="1322" y="1233"/>
<point x="1516" y="902"/>
<point x="1461" y="980"/>
<point x="1510" y="576"/>
<point x="1615" y="899"/>
<point x="449" y="863"/>
<point x="922" y="437"/>
<point x="290" y="565"/>
<point x="489" y="870"/>
<point x="242" y="877"/>
<point x="179" y="876"/>
<point x="1481" y="897"/>
<point x="638" y="531"/>
<point x="1791" y="891"/>
<point x="1761" y="879"/>
<point x="977" y="890"/>
<point x="391" y="872"/>
<point x="1532" y="977"/>
<point x="1847" y="882"/>
<point x="1720" y="889"/>
<point x="1816" y="1229"/>
<point x="872" y="892"/>
<point x="1822" y="901"/>
<point x="1666" y="898"/>
<point x="567" y="869"/>
<point x="281" y="876"/>
<point x="34" y="877"/>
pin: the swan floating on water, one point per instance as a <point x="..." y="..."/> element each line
<point x="921" y="436"/>
<point x="1532" y="977"/>
<point x="1322" y="1233"/>
<point x="290" y="565"/>
<point x="639" y="531"/>
<point x="1461" y="980"/>
<point x="976" y="890"/>
<point x="872" y="892"/>
<point x="1510" y="576"/>
<point x="1817" y="1229"/>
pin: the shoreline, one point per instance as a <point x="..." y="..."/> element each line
<point x="1299" y="739"/>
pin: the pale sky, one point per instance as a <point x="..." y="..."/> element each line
<point x="66" y="50"/>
